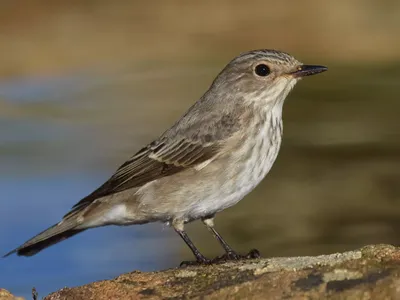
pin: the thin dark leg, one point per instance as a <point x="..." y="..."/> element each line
<point x="224" y="244"/>
<point x="230" y="253"/>
<point x="200" y="258"/>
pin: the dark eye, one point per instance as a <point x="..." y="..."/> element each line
<point x="262" y="70"/>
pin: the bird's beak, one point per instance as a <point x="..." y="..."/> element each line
<point x="307" y="70"/>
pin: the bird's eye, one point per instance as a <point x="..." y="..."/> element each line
<point x="262" y="70"/>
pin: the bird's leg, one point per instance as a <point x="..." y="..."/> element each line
<point x="209" y="222"/>
<point x="230" y="253"/>
<point x="200" y="258"/>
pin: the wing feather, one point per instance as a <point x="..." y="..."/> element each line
<point x="147" y="166"/>
<point x="189" y="143"/>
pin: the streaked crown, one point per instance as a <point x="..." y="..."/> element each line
<point x="263" y="75"/>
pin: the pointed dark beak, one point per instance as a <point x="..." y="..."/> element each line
<point x="307" y="70"/>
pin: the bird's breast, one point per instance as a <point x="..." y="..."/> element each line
<point x="262" y="147"/>
<point x="251" y="161"/>
<point x="227" y="179"/>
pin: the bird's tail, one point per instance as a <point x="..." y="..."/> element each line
<point x="50" y="236"/>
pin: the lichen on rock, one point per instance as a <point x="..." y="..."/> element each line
<point x="372" y="272"/>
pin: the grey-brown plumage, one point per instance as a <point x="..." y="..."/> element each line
<point x="207" y="161"/>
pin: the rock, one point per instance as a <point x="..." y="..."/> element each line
<point x="6" y="295"/>
<point x="372" y="272"/>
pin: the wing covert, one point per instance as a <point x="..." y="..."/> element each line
<point x="190" y="142"/>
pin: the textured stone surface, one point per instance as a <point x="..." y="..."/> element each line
<point x="6" y="295"/>
<point x="372" y="272"/>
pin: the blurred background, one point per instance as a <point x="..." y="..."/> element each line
<point x="84" y="84"/>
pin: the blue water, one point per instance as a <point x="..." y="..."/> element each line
<point x="45" y="169"/>
<point x="30" y="204"/>
<point x="38" y="89"/>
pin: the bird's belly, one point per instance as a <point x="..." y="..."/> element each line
<point x="239" y="178"/>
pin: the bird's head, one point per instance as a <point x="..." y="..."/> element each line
<point x="263" y="76"/>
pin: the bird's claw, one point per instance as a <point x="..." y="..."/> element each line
<point x="254" y="253"/>
<point x="232" y="255"/>
<point x="199" y="262"/>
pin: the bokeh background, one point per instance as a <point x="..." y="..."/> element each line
<point x="84" y="84"/>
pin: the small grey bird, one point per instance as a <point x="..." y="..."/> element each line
<point x="212" y="157"/>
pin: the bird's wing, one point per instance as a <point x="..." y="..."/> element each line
<point x="182" y="147"/>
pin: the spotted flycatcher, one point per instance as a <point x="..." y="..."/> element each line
<point x="212" y="157"/>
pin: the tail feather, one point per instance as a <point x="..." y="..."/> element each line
<point x="47" y="238"/>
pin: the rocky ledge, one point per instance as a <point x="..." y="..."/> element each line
<point x="6" y="295"/>
<point x="372" y="272"/>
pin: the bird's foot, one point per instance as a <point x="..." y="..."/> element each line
<point x="254" y="253"/>
<point x="198" y="262"/>
<point x="232" y="255"/>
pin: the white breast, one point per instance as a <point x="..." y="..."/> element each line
<point x="265" y="147"/>
<point x="250" y="164"/>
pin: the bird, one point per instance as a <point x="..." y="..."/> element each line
<point x="210" y="159"/>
